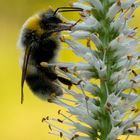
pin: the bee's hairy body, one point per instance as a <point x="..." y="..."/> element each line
<point x="45" y="45"/>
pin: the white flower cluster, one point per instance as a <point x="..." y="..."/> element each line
<point x="110" y="110"/>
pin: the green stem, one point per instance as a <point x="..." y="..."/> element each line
<point x="105" y="121"/>
<point x="104" y="116"/>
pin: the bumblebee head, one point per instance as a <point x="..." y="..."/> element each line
<point x="49" y="20"/>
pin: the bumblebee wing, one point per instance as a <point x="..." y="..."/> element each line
<point x="24" y="70"/>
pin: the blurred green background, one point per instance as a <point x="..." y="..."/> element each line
<point x="23" y="122"/>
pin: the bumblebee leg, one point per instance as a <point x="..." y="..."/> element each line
<point x="54" y="76"/>
<point x="65" y="69"/>
<point x="67" y="82"/>
<point x="75" y="23"/>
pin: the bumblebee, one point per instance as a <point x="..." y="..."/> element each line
<point x="39" y="41"/>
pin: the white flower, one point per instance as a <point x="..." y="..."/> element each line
<point x="107" y="109"/>
<point x="83" y="6"/>
<point x="98" y="5"/>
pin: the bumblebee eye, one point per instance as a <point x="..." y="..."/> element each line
<point x="49" y="22"/>
<point x="54" y="20"/>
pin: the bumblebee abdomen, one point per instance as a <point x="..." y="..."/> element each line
<point x="43" y="87"/>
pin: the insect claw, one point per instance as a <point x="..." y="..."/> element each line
<point x="75" y="23"/>
<point x="79" y="82"/>
<point x="69" y="87"/>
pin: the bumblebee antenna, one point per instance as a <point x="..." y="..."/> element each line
<point x="67" y="9"/>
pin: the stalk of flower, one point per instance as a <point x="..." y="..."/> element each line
<point x="109" y="109"/>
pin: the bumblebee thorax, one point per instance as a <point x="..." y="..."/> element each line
<point x="33" y="23"/>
